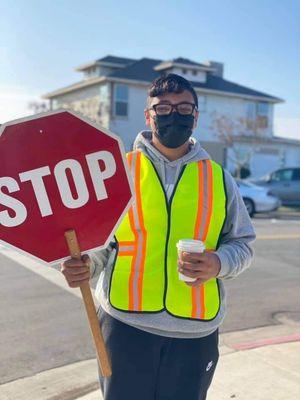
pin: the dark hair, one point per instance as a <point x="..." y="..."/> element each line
<point x="170" y="83"/>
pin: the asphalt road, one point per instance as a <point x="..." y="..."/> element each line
<point x="271" y="285"/>
<point x="43" y="326"/>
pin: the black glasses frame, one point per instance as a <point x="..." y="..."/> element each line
<point x="174" y="106"/>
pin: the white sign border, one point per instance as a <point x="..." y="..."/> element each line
<point x="128" y="174"/>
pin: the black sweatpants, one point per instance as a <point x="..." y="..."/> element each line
<point x="152" y="367"/>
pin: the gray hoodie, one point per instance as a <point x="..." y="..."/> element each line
<point x="234" y="251"/>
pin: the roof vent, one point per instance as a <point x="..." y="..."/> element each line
<point x="218" y="68"/>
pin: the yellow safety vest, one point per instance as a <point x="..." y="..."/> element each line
<point x="145" y="276"/>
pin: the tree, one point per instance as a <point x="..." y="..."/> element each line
<point x="231" y="132"/>
<point x="38" y="106"/>
<point x="92" y="108"/>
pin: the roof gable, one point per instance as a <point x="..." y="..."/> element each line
<point x="142" y="70"/>
<point x="186" y="61"/>
<point x="116" y="60"/>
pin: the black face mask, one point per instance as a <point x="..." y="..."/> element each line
<point x="173" y="130"/>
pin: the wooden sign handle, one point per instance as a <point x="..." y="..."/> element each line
<point x="102" y="355"/>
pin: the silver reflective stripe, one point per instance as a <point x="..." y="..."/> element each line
<point x="203" y="222"/>
<point x="205" y="203"/>
<point x="126" y="248"/>
<point x="138" y="258"/>
<point x="198" y="302"/>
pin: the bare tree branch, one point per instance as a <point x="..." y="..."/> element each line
<point x="229" y="130"/>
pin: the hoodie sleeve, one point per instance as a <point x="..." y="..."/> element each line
<point x="235" y="251"/>
<point x="99" y="260"/>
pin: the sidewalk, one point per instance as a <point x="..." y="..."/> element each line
<point x="257" y="364"/>
<point x="265" y="373"/>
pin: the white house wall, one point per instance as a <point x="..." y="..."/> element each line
<point x="85" y="101"/>
<point x="77" y="95"/>
<point x="128" y="127"/>
<point x="215" y="106"/>
<point x="88" y="102"/>
<point x="265" y="157"/>
<point x="292" y="156"/>
<point x="262" y="164"/>
<point x="229" y="107"/>
<point x="199" y="77"/>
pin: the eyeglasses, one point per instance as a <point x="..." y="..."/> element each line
<point x="166" y="109"/>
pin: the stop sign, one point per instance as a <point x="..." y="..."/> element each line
<point x="59" y="172"/>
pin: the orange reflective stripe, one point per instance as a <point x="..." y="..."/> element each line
<point x="203" y="218"/>
<point x="126" y="243"/>
<point x="196" y="293"/>
<point x="140" y="234"/>
<point x="209" y="191"/>
<point x="125" y="253"/>
<point x="129" y="159"/>
<point x="126" y="248"/>
<point x="134" y="254"/>
<point x="133" y="262"/>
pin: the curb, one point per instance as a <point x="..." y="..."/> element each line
<point x="68" y="382"/>
<point x="80" y="380"/>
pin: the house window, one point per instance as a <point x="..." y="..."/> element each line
<point x="263" y="109"/>
<point x="184" y="71"/>
<point x="194" y="72"/>
<point x="262" y="115"/>
<point x="91" y="72"/>
<point x="257" y="115"/>
<point x="251" y="110"/>
<point x="202" y="103"/>
<point x="121" y="100"/>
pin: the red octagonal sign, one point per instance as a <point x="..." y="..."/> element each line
<point x="59" y="172"/>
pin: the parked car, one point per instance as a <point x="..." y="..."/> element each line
<point x="257" y="199"/>
<point x="283" y="183"/>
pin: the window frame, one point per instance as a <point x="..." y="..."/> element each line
<point x="255" y="112"/>
<point x="119" y="100"/>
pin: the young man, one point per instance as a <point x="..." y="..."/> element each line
<point x="161" y="332"/>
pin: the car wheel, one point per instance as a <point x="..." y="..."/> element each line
<point x="250" y="206"/>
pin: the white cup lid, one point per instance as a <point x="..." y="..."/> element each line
<point x="191" y="245"/>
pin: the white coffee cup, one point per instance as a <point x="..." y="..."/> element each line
<point x="189" y="246"/>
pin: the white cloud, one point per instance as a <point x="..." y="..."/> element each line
<point x="14" y="103"/>
<point x="287" y="127"/>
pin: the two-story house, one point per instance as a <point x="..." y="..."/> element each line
<point x="235" y="124"/>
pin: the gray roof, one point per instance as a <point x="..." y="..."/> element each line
<point x="117" y="60"/>
<point x="220" y="84"/>
<point x="186" y="61"/>
<point x="143" y="70"/>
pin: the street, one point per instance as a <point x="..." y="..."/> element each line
<point x="43" y="323"/>
<point x="271" y="285"/>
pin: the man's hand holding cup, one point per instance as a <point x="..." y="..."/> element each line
<point x="195" y="265"/>
<point x="199" y="266"/>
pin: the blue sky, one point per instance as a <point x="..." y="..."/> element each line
<point x="41" y="42"/>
